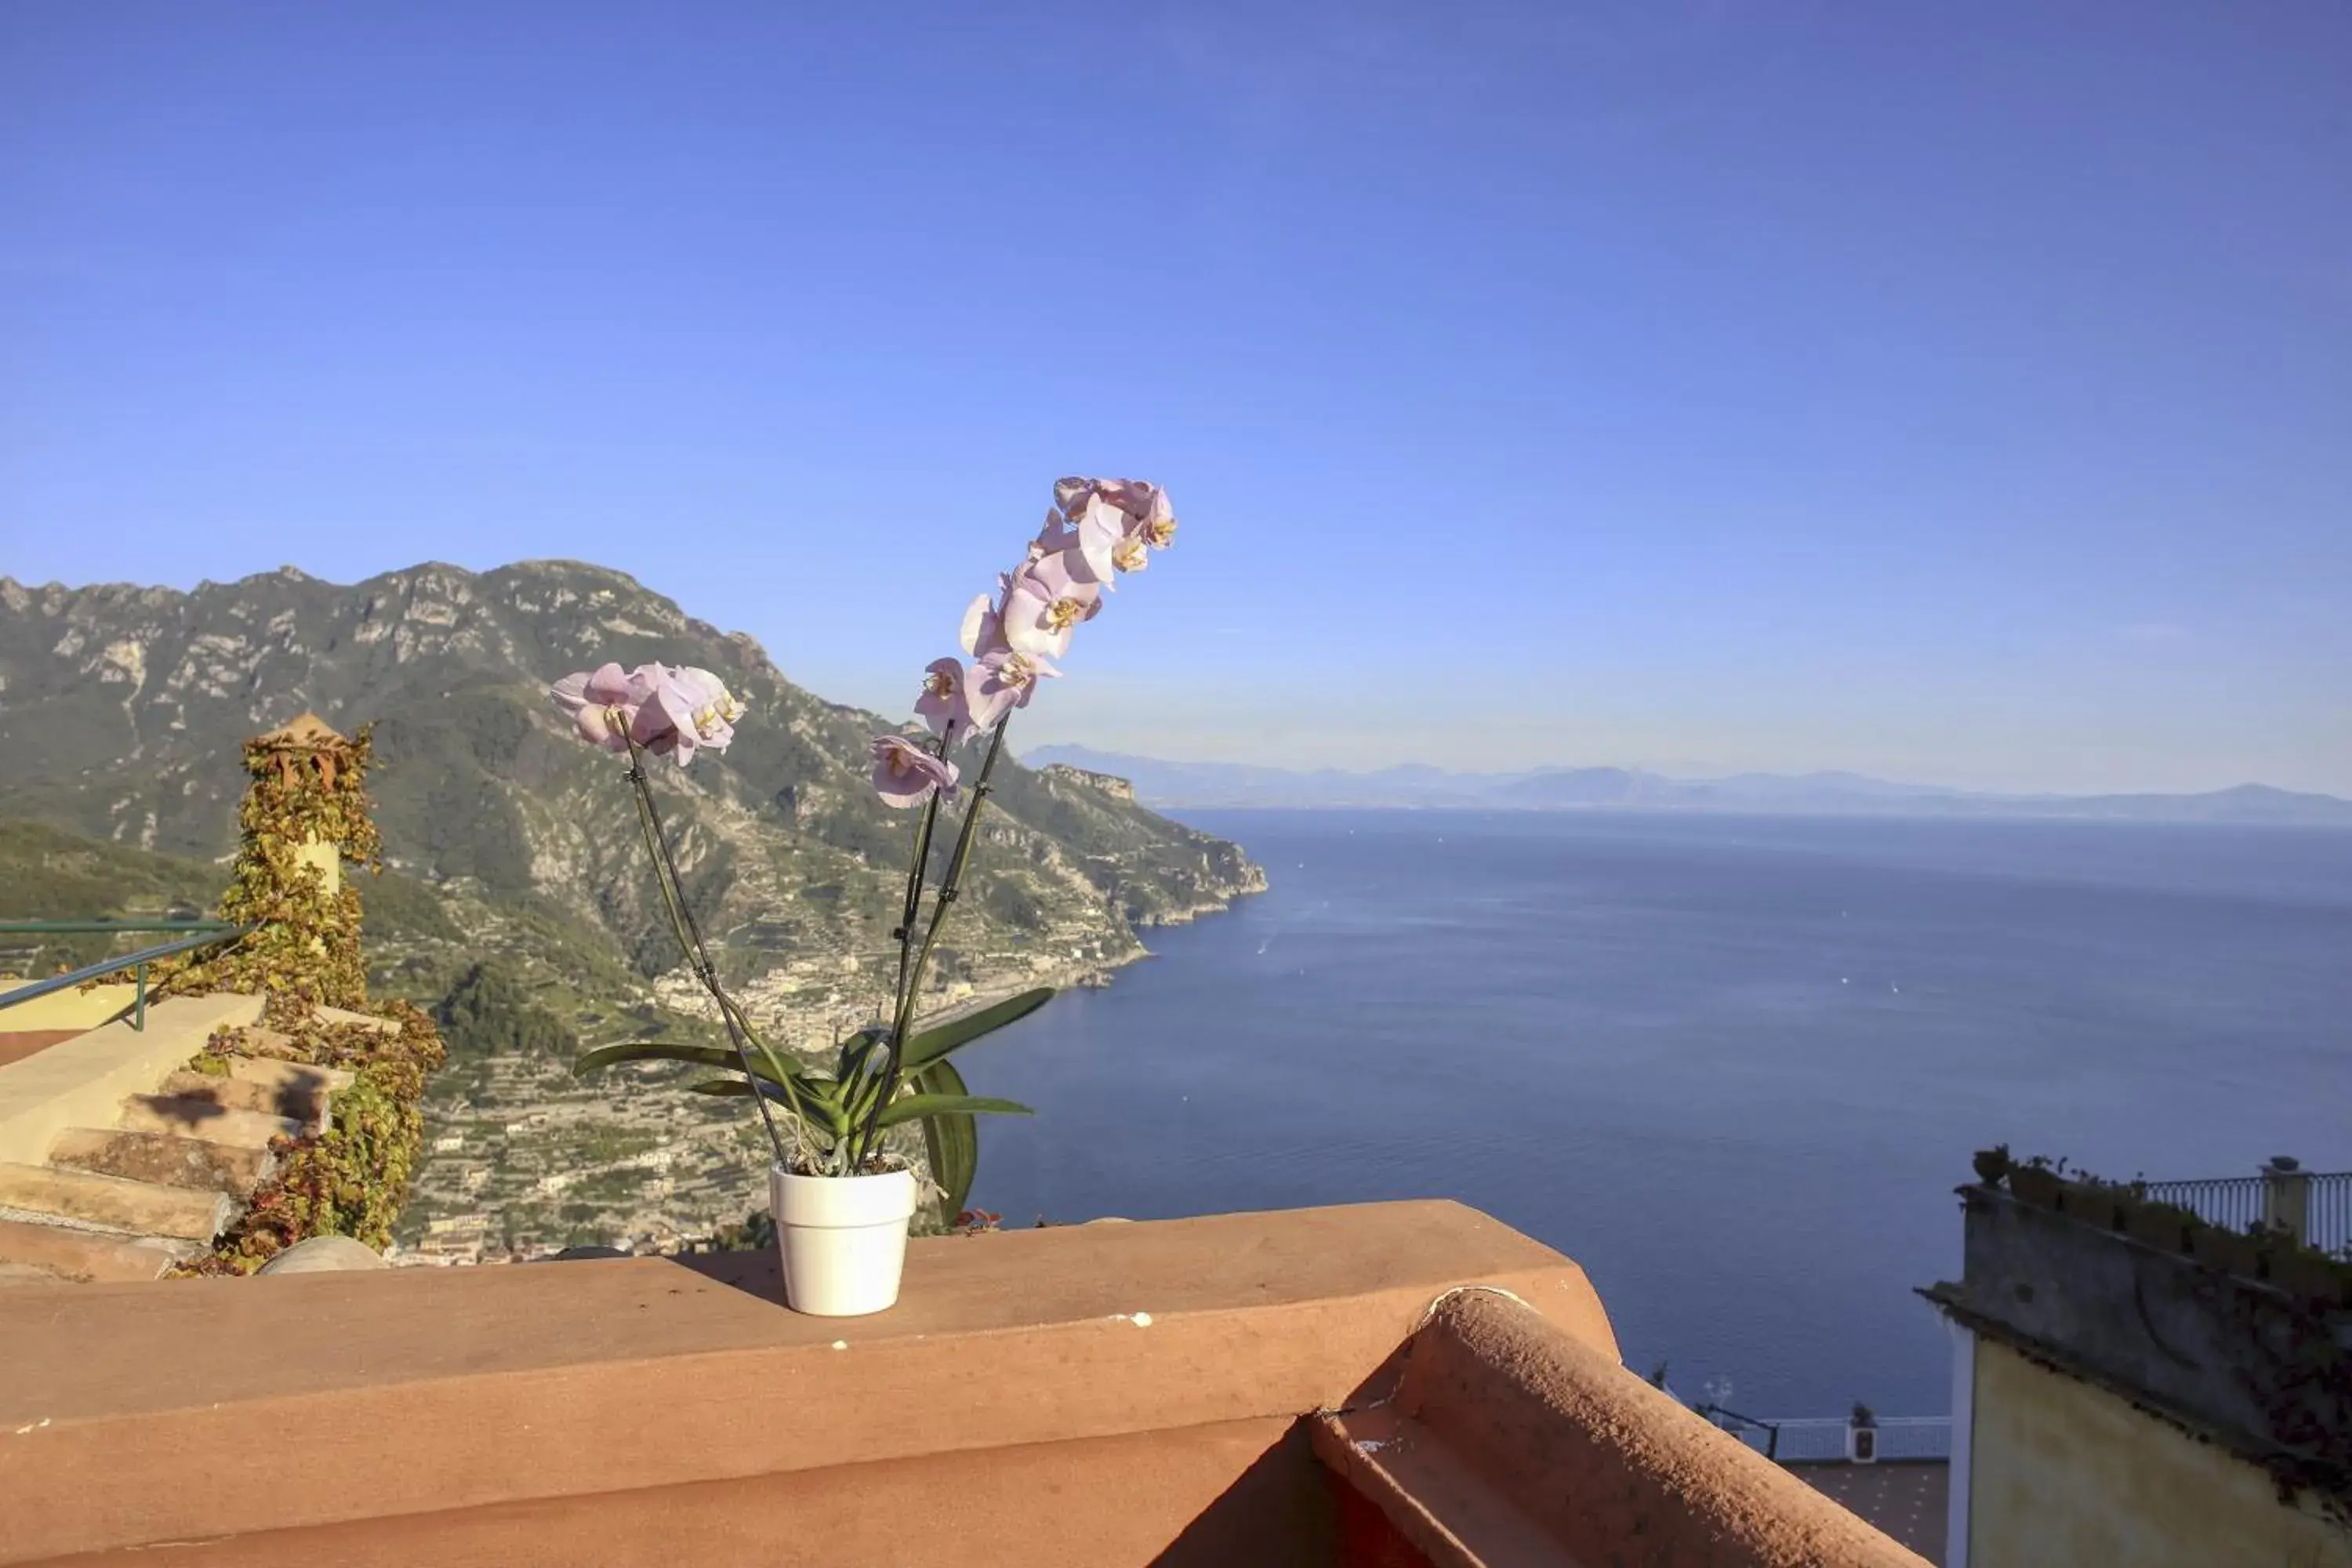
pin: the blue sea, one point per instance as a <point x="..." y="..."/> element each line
<point x="1734" y="1067"/>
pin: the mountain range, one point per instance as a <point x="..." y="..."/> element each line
<point x="1174" y="786"/>
<point x="512" y="845"/>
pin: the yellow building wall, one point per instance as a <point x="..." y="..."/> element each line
<point x="2063" y="1475"/>
<point x="72" y="1008"/>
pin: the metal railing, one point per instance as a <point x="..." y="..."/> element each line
<point x="1814" y="1440"/>
<point x="188" y="936"/>
<point x="2312" y="1206"/>
<point x="1819" y="1441"/>
<point x="2233" y="1203"/>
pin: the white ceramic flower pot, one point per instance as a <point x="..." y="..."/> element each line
<point x="844" y="1239"/>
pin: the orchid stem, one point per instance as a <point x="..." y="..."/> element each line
<point x="698" y="957"/>
<point x="911" y="978"/>
<point x="913" y="907"/>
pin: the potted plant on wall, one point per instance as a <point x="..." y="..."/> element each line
<point x="1862" y="1435"/>
<point x="2035" y="1181"/>
<point x="842" y="1200"/>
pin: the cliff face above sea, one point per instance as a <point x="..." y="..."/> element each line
<point x="516" y="867"/>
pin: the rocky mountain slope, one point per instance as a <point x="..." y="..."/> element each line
<point x="121" y="710"/>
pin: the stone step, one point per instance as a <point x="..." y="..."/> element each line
<point x="294" y="1097"/>
<point x="258" y="1042"/>
<point x="164" y="1158"/>
<point x="194" y="1118"/>
<point x="326" y="1014"/>
<point x="81" y="1082"/>
<point x="264" y="1069"/>
<point x="210" y="1089"/>
<point x="33" y="1253"/>
<point x="110" y="1203"/>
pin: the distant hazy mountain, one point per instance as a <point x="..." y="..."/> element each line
<point x="1170" y="784"/>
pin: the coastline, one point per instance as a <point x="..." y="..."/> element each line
<point x="806" y="1008"/>
<point x="677" y="1185"/>
<point x="1094" y="973"/>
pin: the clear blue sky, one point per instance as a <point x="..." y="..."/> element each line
<point x="1957" y="394"/>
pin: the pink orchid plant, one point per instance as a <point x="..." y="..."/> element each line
<point x="662" y="709"/>
<point x="1097" y="531"/>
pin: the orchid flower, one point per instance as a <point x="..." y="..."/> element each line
<point x="983" y="628"/>
<point x="684" y="709"/>
<point x="1157" y="526"/>
<point x="1100" y="528"/>
<point x="1045" y="601"/>
<point x="1132" y="497"/>
<point x="1096" y="531"/>
<point x="905" y="774"/>
<point x="666" y="710"/>
<point x="1054" y="537"/>
<point x="1149" y="512"/>
<point x="1005" y="679"/>
<point x="1129" y="555"/>
<point x="945" y="704"/>
<point x="601" y="703"/>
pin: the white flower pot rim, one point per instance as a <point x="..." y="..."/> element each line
<point x="842" y="1239"/>
<point x="829" y="1201"/>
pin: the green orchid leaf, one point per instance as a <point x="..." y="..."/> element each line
<point x="652" y="1050"/>
<point x="673" y="1051"/>
<point x="925" y="1046"/>
<point x="950" y="1138"/>
<point x="908" y="1107"/>
<point x="859" y="1097"/>
<point x="856" y="1050"/>
<point x="819" y="1106"/>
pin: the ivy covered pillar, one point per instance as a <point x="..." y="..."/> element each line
<point x="305" y="812"/>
